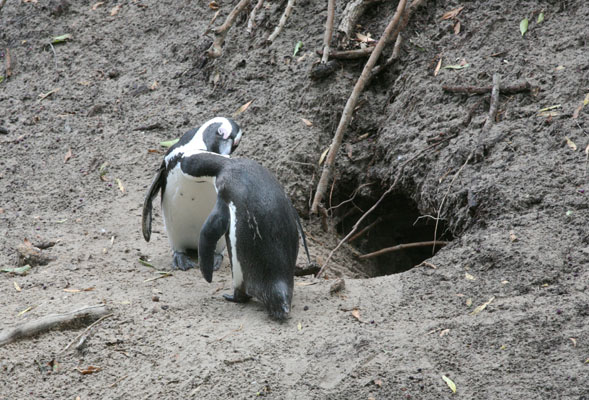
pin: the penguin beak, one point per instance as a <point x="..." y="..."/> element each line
<point x="225" y="147"/>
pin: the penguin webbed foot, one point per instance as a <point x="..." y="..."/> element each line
<point x="182" y="261"/>
<point x="218" y="261"/>
<point x="238" y="296"/>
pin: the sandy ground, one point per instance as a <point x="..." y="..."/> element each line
<point x="516" y="218"/>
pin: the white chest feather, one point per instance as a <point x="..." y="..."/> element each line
<point x="236" y="266"/>
<point x="186" y="204"/>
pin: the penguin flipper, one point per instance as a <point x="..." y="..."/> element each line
<point x="212" y="230"/>
<point x="146" y="218"/>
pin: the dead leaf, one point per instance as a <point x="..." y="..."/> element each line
<point x="482" y="306"/>
<point x="356" y="314"/>
<point x="242" y="108"/>
<point x="120" y="183"/>
<point x="216" y="78"/>
<point x="89" y="370"/>
<point x="95" y="6"/>
<point x="115" y="10"/>
<point x="512" y="236"/>
<point x="18" y="289"/>
<point x="88" y="289"/>
<point x="213" y="5"/>
<point x="452" y="13"/>
<point x="450" y="383"/>
<point x="300" y="326"/>
<point x="457" y="28"/>
<point x="27" y="242"/>
<point x="574" y="341"/>
<point x="364" y="38"/>
<point x="469" y="302"/>
<point x="378" y="382"/>
<point x="438" y="66"/>
<point x="26" y="310"/>
<point x="571" y="144"/>
<point x="154" y="85"/>
<point x="444" y="332"/>
<point x="323" y="155"/>
<point x="68" y="155"/>
<point x="469" y="276"/>
<point x="307" y="122"/>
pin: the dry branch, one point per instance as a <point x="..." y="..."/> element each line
<point x="328" y="30"/>
<point x="350" y="105"/>
<point x="82" y="337"/>
<point x="347" y="54"/>
<point x="366" y="229"/>
<point x="402" y="247"/>
<point x="216" y="48"/>
<point x="54" y="321"/>
<point x="252" y="18"/>
<point x="287" y="11"/>
<point x="517" y="88"/>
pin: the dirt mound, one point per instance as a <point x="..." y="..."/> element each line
<point x="80" y="128"/>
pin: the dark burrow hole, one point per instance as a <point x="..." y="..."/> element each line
<point x="396" y="221"/>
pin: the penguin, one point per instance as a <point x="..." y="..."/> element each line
<point x="187" y="200"/>
<point x="260" y="225"/>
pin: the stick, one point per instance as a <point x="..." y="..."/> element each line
<point x="366" y="229"/>
<point x="517" y="88"/>
<point x="488" y="123"/>
<point x="61" y="321"/>
<point x="328" y="30"/>
<point x="402" y="247"/>
<point x="252" y="18"/>
<point x="349" y="108"/>
<point x="216" y="48"/>
<point x="84" y="335"/>
<point x="347" y="54"/>
<point x="282" y="21"/>
<point x="8" y="62"/>
<point x="54" y="55"/>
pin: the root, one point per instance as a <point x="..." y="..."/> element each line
<point x="350" y="16"/>
<point x="282" y="21"/>
<point x="54" y="321"/>
<point x="328" y="30"/>
<point x="216" y="48"/>
<point x="252" y="18"/>
<point x="402" y="247"/>
<point x="350" y="105"/>
<point x="513" y="89"/>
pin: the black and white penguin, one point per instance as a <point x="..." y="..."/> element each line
<point x="187" y="200"/>
<point x="259" y="223"/>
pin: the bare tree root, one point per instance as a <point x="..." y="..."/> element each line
<point x="350" y="16"/>
<point x="54" y="321"/>
<point x="252" y="18"/>
<point x="350" y="105"/>
<point x="216" y="48"/>
<point x="328" y="30"/>
<point x="486" y="127"/>
<point x="282" y="22"/>
<point x="402" y="247"/>
<point x="347" y="54"/>
<point x="513" y="89"/>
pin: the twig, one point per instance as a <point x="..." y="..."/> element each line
<point x="54" y="55"/>
<point x="252" y="18"/>
<point x="351" y="198"/>
<point x="328" y="30"/>
<point x="118" y="381"/>
<point x="7" y="62"/>
<point x="81" y="338"/>
<point x="53" y="321"/>
<point x="287" y="11"/>
<point x="488" y="123"/>
<point x="517" y="88"/>
<point x="394" y="56"/>
<point x="402" y="247"/>
<point x="216" y="48"/>
<point x="366" y="229"/>
<point x="347" y="54"/>
<point x="350" y="106"/>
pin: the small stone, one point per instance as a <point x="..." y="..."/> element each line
<point x="305" y="308"/>
<point x="155" y="298"/>
<point x="165" y="307"/>
<point x="337" y="286"/>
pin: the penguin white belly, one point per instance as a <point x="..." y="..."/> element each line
<point x="186" y="205"/>
<point x="235" y="265"/>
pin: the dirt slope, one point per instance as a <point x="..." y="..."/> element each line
<point x="130" y="80"/>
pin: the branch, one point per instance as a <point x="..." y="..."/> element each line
<point x="251" y="20"/>
<point x="216" y="48"/>
<point x="402" y="247"/>
<point x="282" y="21"/>
<point x="349" y="108"/>
<point x="517" y="88"/>
<point x="347" y="54"/>
<point x="54" y="321"/>
<point x="328" y="30"/>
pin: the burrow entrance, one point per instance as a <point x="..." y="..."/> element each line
<point x="396" y="221"/>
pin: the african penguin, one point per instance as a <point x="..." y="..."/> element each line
<point x="260" y="225"/>
<point x="188" y="200"/>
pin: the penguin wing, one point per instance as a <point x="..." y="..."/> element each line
<point x="155" y="187"/>
<point x="213" y="229"/>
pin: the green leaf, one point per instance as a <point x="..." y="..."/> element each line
<point x="523" y="26"/>
<point x="450" y="383"/>
<point x="550" y="108"/>
<point x="169" y="143"/>
<point x="456" y="66"/>
<point x="61" y="39"/>
<point x="143" y="262"/>
<point x="19" y="270"/>
<point x="297" y="48"/>
<point x="1" y="78"/>
<point x="540" y="18"/>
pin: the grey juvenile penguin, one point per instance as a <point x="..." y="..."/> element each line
<point x="260" y="225"/>
<point x="188" y="200"/>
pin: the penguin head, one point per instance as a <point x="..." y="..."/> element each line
<point x="221" y="135"/>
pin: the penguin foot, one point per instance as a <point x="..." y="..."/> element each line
<point x="182" y="261"/>
<point x="218" y="261"/>
<point x="238" y="296"/>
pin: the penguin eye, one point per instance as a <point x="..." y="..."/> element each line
<point x="224" y="132"/>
